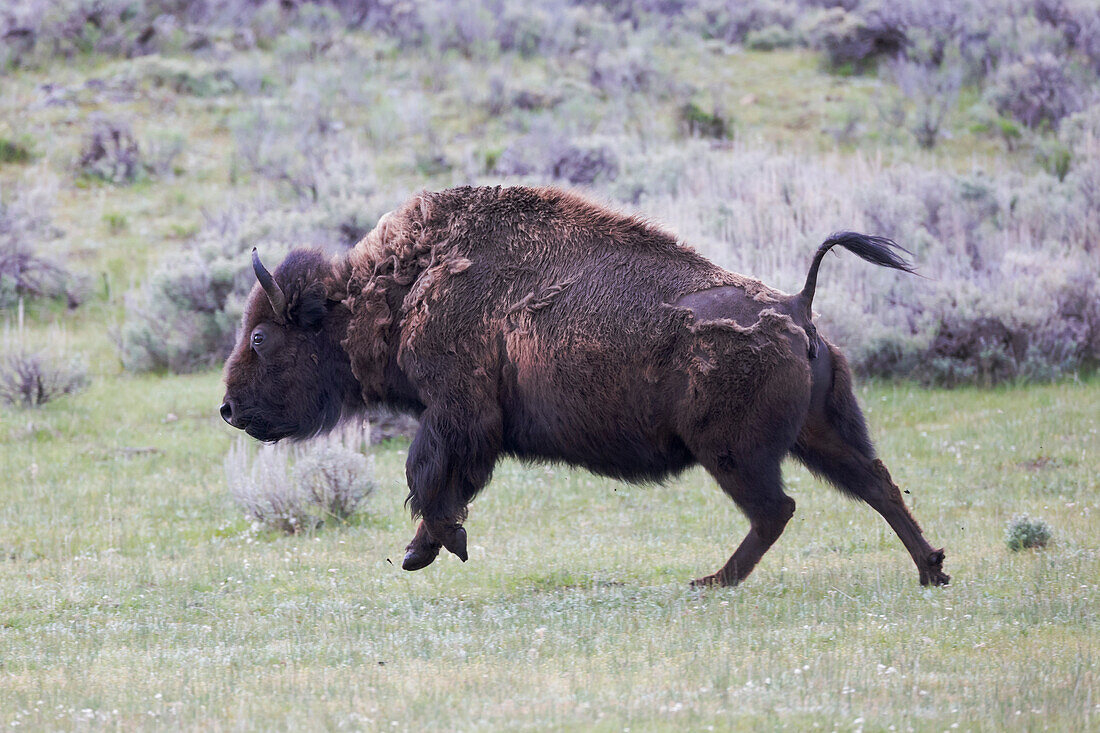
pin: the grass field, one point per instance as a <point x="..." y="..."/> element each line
<point x="135" y="595"/>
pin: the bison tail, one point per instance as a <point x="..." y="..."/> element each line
<point x="876" y="250"/>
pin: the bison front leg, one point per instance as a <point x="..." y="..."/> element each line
<point x="422" y="551"/>
<point x="449" y="461"/>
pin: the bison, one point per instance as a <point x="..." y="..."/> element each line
<point x="534" y="323"/>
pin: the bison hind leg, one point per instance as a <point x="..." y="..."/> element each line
<point x="833" y="444"/>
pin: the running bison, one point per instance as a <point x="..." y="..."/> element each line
<point x="531" y="322"/>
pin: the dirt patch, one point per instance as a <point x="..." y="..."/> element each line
<point x="1040" y="463"/>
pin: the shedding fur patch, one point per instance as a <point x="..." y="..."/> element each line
<point x="408" y="247"/>
<point x="765" y="295"/>
<point x="724" y="343"/>
<point x="534" y="302"/>
<point x="427" y="288"/>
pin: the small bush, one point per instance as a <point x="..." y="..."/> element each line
<point x="933" y="91"/>
<point x="549" y="155"/>
<point x="162" y="151"/>
<point x="297" y="488"/>
<point x="503" y="97"/>
<point x="1035" y="91"/>
<point x="14" y="152"/>
<point x="770" y="38"/>
<point x="29" y="379"/>
<point x="978" y="350"/>
<point x="847" y="127"/>
<point x="853" y="42"/>
<point x="287" y="148"/>
<point x="622" y="71"/>
<point x="25" y="225"/>
<point x="116" y="222"/>
<point x="695" y="122"/>
<point x="336" y="479"/>
<point x="24" y="272"/>
<point x="1023" y="533"/>
<point x="741" y="21"/>
<point x="584" y="166"/>
<point x="110" y="153"/>
<point x="262" y="486"/>
<point x="1080" y="132"/>
<point x="190" y="76"/>
<point x="1055" y="158"/>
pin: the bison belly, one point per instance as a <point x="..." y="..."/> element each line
<point x="593" y="403"/>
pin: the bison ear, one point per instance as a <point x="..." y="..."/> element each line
<point x="307" y="306"/>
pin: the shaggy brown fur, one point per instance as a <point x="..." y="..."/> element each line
<point x="534" y="323"/>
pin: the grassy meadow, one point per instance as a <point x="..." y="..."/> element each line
<point x="135" y="594"/>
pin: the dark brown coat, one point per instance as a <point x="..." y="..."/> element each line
<point x="534" y="323"/>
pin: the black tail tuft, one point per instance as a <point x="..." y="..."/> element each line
<point x="877" y="250"/>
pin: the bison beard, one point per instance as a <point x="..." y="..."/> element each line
<point x="534" y="323"/>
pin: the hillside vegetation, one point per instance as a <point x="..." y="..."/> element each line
<point x="154" y="144"/>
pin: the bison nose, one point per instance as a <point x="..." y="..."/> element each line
<point x="227" y="412"/>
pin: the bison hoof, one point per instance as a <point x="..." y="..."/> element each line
<point x="456" y="543"/>
<point x="711" y="581"/>
<point x="932" y="573"/>
<point x="934" y="577"/>
<point x="419" y="556"/>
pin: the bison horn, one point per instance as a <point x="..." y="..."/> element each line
<point x="274" y="292"/>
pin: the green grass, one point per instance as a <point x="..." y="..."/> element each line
<point x="136" y="595"/>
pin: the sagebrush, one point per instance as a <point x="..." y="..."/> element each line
<point x="298" y="488"/>
<point x="33" y="378"/>
<point x="26" y="230"/>
<point x="185" y="315"/>
<point x="1024" y="533"/>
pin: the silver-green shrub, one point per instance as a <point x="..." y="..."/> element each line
<point x="26" y="228"/>
<point x="933" y="91"/>
<point x="262" y="486"/>
<point x="1022" y="533"/>
<point x="31" y="379"/>
<point x="334" y="475"/>
<point x="1036" y="90"/>
<point x="111" y="153"/>
<point x="549" y="156"/>
<point x="850" y="40"/>
<point x="296" y="488"/>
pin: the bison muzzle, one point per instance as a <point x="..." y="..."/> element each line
<point x="533" y="323"/>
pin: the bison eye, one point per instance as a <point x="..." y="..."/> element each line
<point x="265" y="340"/>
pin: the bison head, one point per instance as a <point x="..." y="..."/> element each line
<point x="288" y="376"/>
